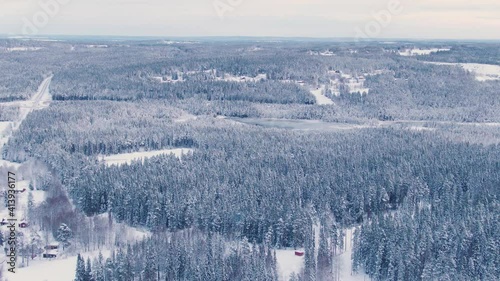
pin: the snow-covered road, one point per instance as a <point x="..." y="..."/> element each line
<point x="41" y="99"/>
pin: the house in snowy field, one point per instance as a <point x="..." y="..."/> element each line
<point x="50" y="254"/>
<point x="51" y="251"/>
<point x="4" y="222"/>
<point x="299" y="253"/>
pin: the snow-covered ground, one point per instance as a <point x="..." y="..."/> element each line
<point x="320" y="98"/>
<point x="231" y="78"/>
<point x="326" y="53"/>
<point x="343" y="262"/>
<point x="185" y="118"/>
<point x="97" y="46"/>
<point x="62" y="269"/>
<point x="483" y="72"/>
<point x="288" y="263"/>
<point x="421" y="52"/>
<point x="23" y="49"/>
<point x="128" y="158"/>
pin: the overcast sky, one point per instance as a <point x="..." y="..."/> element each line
<point x="445" y="19"/>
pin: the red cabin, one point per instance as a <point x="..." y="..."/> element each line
<point x="23" y="225"/>
<point x="299" y="253"/>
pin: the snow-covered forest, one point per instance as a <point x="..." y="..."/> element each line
<point x="243" y="160"/>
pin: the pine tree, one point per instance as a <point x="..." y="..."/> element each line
<point x="64" y="235"/>
<point x="81" y="273"/>
<point x="31" y="206"/>
<point x="150" y="266"/>
<point x="88" y="271"/>
<point x="98" y="268"/>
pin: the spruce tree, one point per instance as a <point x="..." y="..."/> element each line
<point x="80" y="269"/>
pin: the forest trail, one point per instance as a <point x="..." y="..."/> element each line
<point x="343" y="263"/>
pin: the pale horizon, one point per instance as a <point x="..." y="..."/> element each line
<point x="448" y="20"/>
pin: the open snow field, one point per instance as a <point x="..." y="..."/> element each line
<point x="43" y="270"/>
<point x="483" y="72"/>
<point x="288" y="263"/>
<point x="421" y="52"/>
<point x="297" y="124"/>
<point x="128" y="158"/>
<point x="40" y="269"/>
<point x="232" y="78"/>
<point x="23" y="49"/>
<point x="320" y="98"/>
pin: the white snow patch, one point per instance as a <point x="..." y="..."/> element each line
<point x="288" y="263"/>
<point x="241" y="79"/>
<point x="421" y="128"/>
<point x="23" y="49"/>
<point x="97" y="46"/>
<point x="421" y="52"/>
<point x="128" y="158"/>
<point x="483" y="72"/>
<point x="185" y="118"/>
<point x="321" y="99"/>
<point x="61" y="269"/>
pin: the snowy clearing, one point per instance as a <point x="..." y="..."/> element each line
<point x="321" y="99"/>
<point x="241" y="79"/>
<point x="185" y="118"/>
<point x="288" y="263"/>
<point x="23" y="49"/>
<point x="128" y="158"/>
<point x="39" y="270"/>
<point x="421" y="52"/>
<point x="66" y="265"/>
<point x="97" y="46"/>
<point x="298" y="124"/>
<point x="326" y="53"/>
<point x="483" y="72"/>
